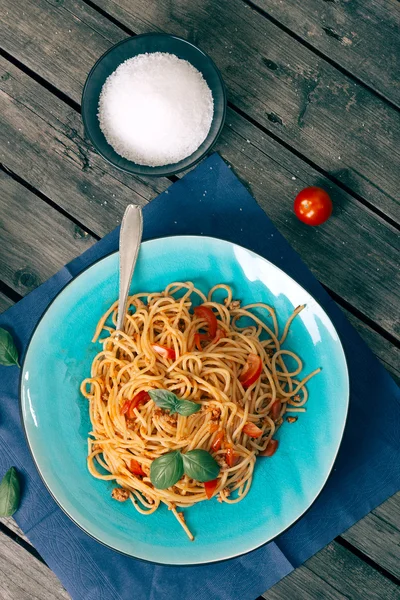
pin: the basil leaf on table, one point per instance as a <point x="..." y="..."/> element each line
<point x="8" y="351"/>
<point x="170" y="401"/>
<point x="166" y="470"/>
<point x="200" y="465"/>
<point x="9" y="493"/>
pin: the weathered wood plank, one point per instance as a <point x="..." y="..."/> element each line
<point x="302" y="584"/>
<point x="27" y="240"/>
<point x="24" y="577"/>
<point x="35" y="243"/>
<point x="52" y="34"/>
<point x="301" y="98"/>
<point x="389" y="511"/>
<point x="5" y="302"/>
<point x="25" y="269"/>
<point x="339" y="125"/>
<point x="378" y="539"/>
<point x="12" y="526"/>
<point x="256" y="159"/>
<point x="350" y="575"/>
<point x="362" y="37"/>
<point x="377" y="534"/>
<point x="387" y="352"/>
<point x="43" y="143"/>
<point x="343" y="574"/>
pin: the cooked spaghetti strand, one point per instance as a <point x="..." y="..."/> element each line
<point x="165" y="345"/>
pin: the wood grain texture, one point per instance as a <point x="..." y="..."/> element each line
<point x="13" y="527"/>
<point x="299" y="97"/>
<point x="388" y="353"/>
<point x="377" y="535"/>
<point x="24" y="577"/>
<point x="5" y="302"/>
<point x="43" y="142"/>
<point x="26" y="241"/>
<point x="302" y="584"/>
<point x="362" y="37"/>
<point x="50" y="36"/>
<point x="335" y="573"/>
<point x="347" y="242"/>
<point x="379" y="539"/>
<point x="389" y="511"/>
<point x="35" y="243"/>
<point x="350" y="575"/>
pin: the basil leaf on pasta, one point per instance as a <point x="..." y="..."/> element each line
<point x="166" y="470"/>
<point x="187" y="408"/>
<point x="200" y="465"/>
<point x="170" y="401"/>
<point x="164" y="399"/>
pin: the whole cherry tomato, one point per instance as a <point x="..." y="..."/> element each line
<point x="313" y="206"/>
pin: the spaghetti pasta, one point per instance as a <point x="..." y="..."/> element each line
<point x="221" y="356"/>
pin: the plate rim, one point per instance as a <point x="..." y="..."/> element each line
<point x="58" y="502"/>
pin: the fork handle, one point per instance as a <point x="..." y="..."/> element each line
<point x="130" y="238"/>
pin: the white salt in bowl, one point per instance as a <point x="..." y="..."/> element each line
<point x="129" y="48"/>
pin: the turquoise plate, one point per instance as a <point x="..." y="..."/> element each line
<point x="56" y="417"/>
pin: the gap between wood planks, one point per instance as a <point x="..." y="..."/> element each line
<point x="76" y="106"/>
<point x="64" y="98"/>
<point x="319" y="169"/>
<point x="276" y="138"/>
<point x="313" y="49"/>
<point x="349" y="546"/>
<point x="334" y="556"/>
<point x="262" y="154"/>
<point x="182" y="21"/>
<point x="372" y="563"/>
<point x="48" y="86"/>
<point x="341" y="301"/>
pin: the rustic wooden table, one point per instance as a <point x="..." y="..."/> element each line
<point x="314" y="98"/>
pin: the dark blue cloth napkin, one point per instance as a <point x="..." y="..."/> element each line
<point x="209" y="201"/>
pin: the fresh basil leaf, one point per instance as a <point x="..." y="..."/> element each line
<point x="170" y="401"/>
<point x="200" y="465"/>
<point x="164" y="399"/>
<point x="9" y="493"/>
<point x="166" y="470"/>
<point x="8" y="351"/>
<point x="187" y="408"/>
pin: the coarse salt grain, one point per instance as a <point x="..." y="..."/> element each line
<point x="155" y="109"/>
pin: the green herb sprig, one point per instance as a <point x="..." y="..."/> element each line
<point x="166" y="470"/>
<point x="9" y="493"/>
<point x="169" y="401"/>
<point x="8" y="350"/>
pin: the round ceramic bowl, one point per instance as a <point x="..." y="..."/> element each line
<point x="108" y="63"/>
<point x="56" y="416"/>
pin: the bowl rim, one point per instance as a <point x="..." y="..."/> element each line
<point x="166" y="172"/>
<point x="147" y="560"/>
